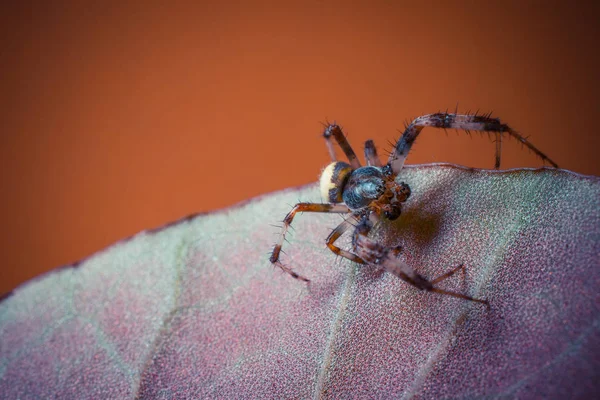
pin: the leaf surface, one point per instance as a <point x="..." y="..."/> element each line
<point x="195" y="310"/>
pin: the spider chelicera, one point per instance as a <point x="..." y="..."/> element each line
<point x="372" y="193"/>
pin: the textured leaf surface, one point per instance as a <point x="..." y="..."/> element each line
<point x="195" y="310"/>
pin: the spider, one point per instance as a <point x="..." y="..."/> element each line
<point x="371" y="193"/>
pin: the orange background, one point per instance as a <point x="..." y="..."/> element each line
<point x="117" y="118"/>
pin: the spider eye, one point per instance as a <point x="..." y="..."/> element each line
<point x="393" y="212"/>
<point x="333" y="179"/>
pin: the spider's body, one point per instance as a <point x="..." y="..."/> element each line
<point x="363" y="188"/>
<point x="371" y="193"/>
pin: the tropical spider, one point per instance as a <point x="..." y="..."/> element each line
<point x="371" y="193"/>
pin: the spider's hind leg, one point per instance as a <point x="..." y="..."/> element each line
<point x="371" y="154"/>
<point x="336" y="131"/>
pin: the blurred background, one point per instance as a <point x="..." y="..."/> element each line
<point x="123" y="116"/>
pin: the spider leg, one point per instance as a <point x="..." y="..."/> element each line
<point x="335" y="235"/>
<point x="447" y="274"/>
<point x="335" y="131"/>
<point x="377" y="254"/>
<point x="287" y="221"/>
<point x="474" y="122"/>
<point x="371" y="154"/>
<point x="498" y="150"/>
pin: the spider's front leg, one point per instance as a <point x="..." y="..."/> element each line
<point x="335" y="235"/>
<point x="483" y="123"/>
<point x="386" y="257"/>
<point x="287" y="221"/>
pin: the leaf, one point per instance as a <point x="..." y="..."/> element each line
<point x="195" y="310"/>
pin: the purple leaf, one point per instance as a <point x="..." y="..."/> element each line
<point x="195" y="310"/>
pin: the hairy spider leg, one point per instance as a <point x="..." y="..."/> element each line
<point x="498" y="150"/>
<point x="371" y="154"/>
<point x="335" y="131"/>
<point x="335" y="235"/>
<point x="287" y="221"/>
<point x="386" y="257"/>
<point x="457" y="121"/>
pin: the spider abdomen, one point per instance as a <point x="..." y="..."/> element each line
<point x="364" y="185"/>
<point x="333" y="179"/>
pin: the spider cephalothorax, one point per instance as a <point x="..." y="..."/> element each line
<point x="371" y="193"/>
<point x="365" y="188"/>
